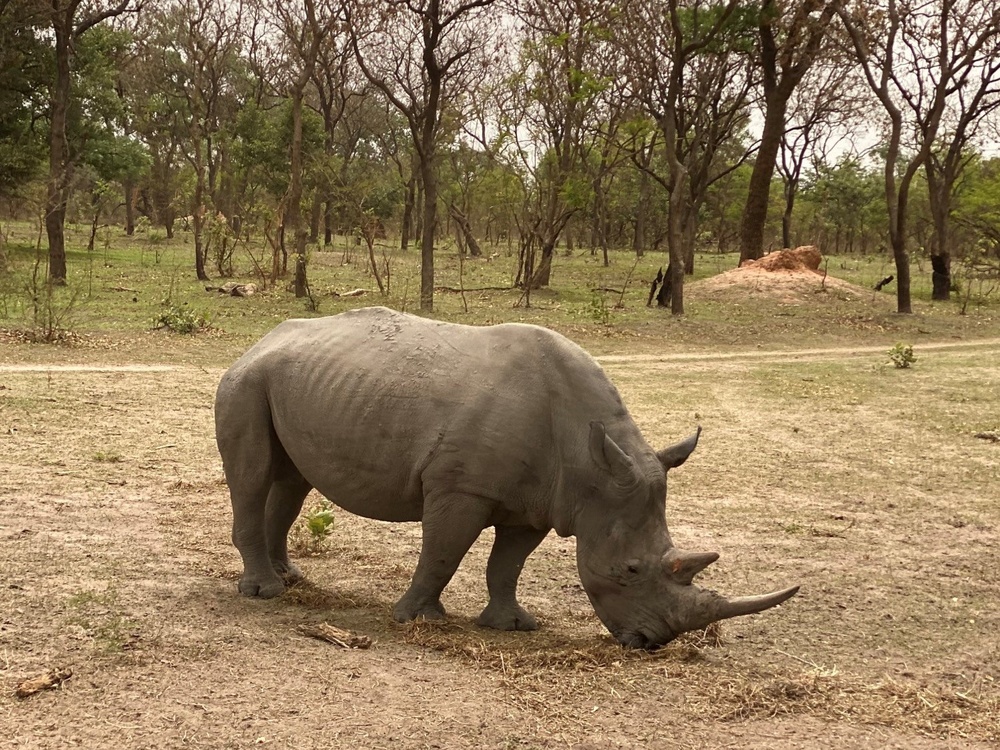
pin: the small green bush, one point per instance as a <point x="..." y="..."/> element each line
<point x="901" y="356"/>
<point x="598" y="309"/>
<point x="180" y="320"/>
<point x="320" y="521"/>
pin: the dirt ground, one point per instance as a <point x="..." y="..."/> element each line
<point x="864" y="484"/>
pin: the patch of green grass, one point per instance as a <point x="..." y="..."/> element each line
<point x="100" y="616"/>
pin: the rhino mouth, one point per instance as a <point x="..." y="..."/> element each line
<point x="640" y="640"/>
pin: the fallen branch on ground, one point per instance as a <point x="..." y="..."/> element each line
<point x="324" y="631"/>
<point x="45" y="681"/>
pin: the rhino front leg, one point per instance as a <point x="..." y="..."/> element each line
<point x="511" y="548"/>
<point x="450" y="525"/>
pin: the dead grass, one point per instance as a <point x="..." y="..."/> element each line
<point x="712" y="688"/>
<point x="869" y="488"/>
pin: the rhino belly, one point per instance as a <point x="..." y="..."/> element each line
<point x="370" y="476"/>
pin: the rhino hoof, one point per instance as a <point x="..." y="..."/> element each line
<point x="288" y="571"/>
<point x="507" y="618"/>
<point x="405" y="612"/>
<point x="264" y="590"/>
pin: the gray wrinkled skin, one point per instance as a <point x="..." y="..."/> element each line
<point x="399" y="418"/>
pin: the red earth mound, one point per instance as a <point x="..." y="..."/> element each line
<point x="805" y="258"/>
<point x="791" y="276"/>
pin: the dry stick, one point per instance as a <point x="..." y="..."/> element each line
<point x="807" y="662"/>
<point x="476" y="289"/>
<point x="461" y="279"/>
<point x="621" y="297"/>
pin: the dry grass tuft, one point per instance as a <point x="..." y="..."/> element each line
<point x="307" y="594"/>
<point x="930" y="710"/>
<point x="711" y="687"/>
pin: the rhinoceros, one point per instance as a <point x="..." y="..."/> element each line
<point x="400" y="418"/>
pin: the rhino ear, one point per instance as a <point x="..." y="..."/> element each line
<point x="609" y="456"/>
<point x="674" y="455"/>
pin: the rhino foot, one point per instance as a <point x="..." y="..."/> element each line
<point x="407" y="610"/>
<point x="266" y="589"/>
<point x="288" y="571"/>
<point x="507" y="617"/>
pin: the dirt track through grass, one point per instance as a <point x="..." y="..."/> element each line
<point x="797" y="355"/>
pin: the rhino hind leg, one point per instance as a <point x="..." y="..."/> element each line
<point x="284" y="503"/>
<point x="249" y="451"/>
<point x="511" y="548"/>
<point x="451" y="524"/>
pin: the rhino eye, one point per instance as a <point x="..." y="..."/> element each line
<point x="630" y="570"/>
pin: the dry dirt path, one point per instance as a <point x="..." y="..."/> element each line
<point x="792" y="355"/>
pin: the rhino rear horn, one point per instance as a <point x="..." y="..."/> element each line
<point x="682" y="567"/>
<point x="674" y="455"/>
<point x="609" y="456"/>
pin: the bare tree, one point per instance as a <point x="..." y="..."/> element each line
<point x="791" y="36"/>
<point x="918" y="57"/>
<point x="343" y="103"/>
<point x="819" y="113"/>
<point x="70" y="20"/>
<point x="423" y="55"/>
<point x="663" y="42"/>
<point x="200" y="46"/>
<point x="952" y="152"/>
<point x="304" y="29"/>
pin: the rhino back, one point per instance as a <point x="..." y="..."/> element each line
<point x="378" y="408"/>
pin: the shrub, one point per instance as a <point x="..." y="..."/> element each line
<point x="901" y="355"/>
<point x="180" y="320"/>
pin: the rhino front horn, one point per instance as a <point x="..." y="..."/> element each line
<point x="748" y="605"/>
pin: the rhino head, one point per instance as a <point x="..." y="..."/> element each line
<point x="640" y="585"/>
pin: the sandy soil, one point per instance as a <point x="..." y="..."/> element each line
<point x="865" y="486"/>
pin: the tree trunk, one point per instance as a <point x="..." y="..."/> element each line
<point x="939" y="186"/>
<point x="786" y="217"/>
<point x="59" y="166"/>
<point x="199" y="211"/>
<point x="543" y="271"/>
<point x="429" y="224"/>
<point x="639" y="238"/>
<point x="675" y="239"/>
<point x="466" y="238"/>
<point x="293" y="210"/>
<point x="314" y="217"/>
<point x="128" y="187"/>
<point x="328" y="223"/>
<point x="759" y="194"/>
<point x="902" y="259"/>
<point x="941" y="277"/>
<point x="690" y="232"/>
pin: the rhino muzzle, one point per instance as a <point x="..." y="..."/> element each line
<point x="652" y="613"/>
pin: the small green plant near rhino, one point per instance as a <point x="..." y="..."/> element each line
<point x="313" y="530"/>
<point x="598" y="309"/>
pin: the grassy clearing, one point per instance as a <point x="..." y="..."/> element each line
<point x="128" y="286"/>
